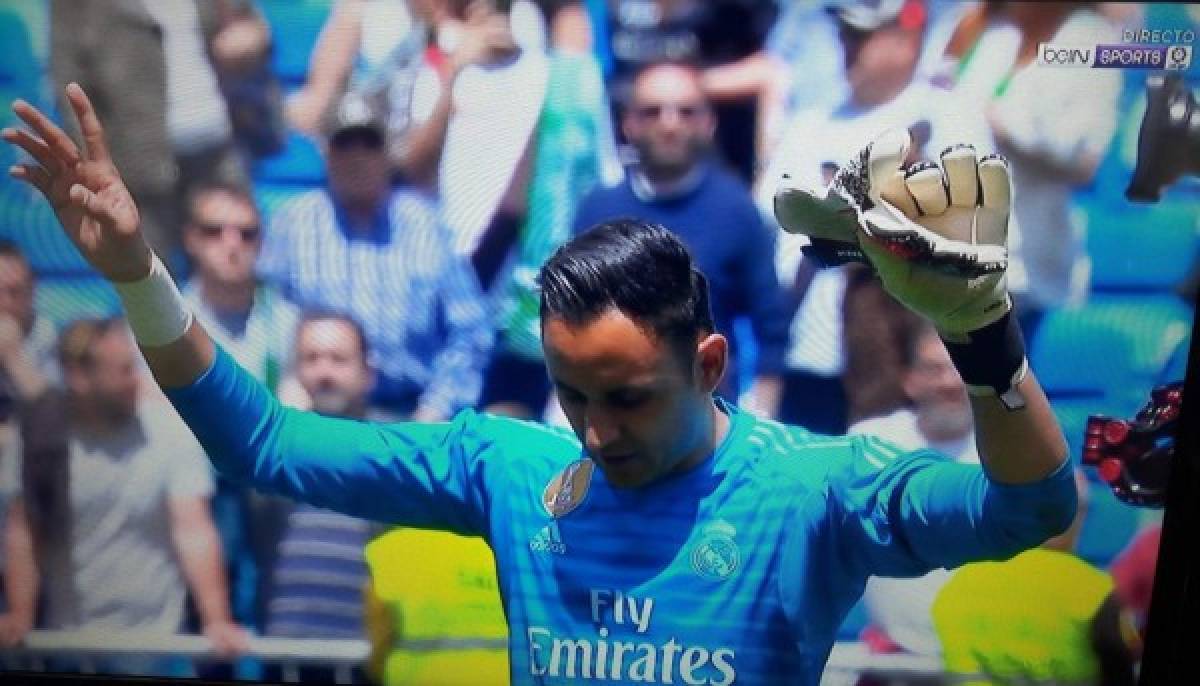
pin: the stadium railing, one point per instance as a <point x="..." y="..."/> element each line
<point x="847" y="661"/>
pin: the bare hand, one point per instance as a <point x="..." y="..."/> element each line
<point x="13" y="629"/>
<point x="487" y="36"/>
<point x="228" y="639"/>
<point x="240" y="45"/>
<point x="84" y="189"/>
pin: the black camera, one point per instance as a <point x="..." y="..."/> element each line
<point x="1169" y="140"/>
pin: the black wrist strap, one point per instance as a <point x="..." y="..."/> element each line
<point x="991" y="360"/>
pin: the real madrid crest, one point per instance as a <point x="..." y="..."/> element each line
<point x="567" y="489"/>
<point x="716" y="556"/>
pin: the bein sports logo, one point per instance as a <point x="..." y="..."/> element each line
<point x="1123" y="56"/>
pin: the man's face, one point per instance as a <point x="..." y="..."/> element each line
<point x="110" y="383"/>
<point x="938" y="392"/>
<point x="359" y="172"/>
<point x="331" y="368"/>
<point x="16" y="290"/>
<point x="223" y="237"/>
<point x="636" y="406"/>
<point x="669" y="121"/>
<point x="879" y="63"/>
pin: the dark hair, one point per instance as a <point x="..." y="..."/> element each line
<point x="325" y="315"/>
<point x="637" y="267"/>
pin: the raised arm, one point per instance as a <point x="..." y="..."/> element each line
<point x="419" y="475"/>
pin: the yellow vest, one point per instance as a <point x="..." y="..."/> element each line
<point x="1023" y="619"/>
<point x="433" y="610"/>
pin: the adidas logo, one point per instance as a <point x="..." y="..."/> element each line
<point x="548" y="540"/>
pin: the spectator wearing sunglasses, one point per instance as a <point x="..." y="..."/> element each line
<point x="380" y="254"/>
<point x="255" y="323"/>
<point x="677" y="184"/>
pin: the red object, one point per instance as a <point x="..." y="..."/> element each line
<point x="1110" y="470"/>
<point x="1116" y="431"/>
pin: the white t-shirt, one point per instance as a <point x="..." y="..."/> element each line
<point x="1060" y="114"/>
<point x="903" y="607"/>
<point x="121" y="571"/>
<point x="832" y="136"/>
<point x="495" y="110"/>
<point x="197" y="117"/>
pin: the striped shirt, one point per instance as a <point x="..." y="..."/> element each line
<point x="420" y="305"/>
<point x="317" y="588"/>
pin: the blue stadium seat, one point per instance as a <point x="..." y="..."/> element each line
<point x="854" y="623"/>
<point x="1107" y="528"/>
<point x="64" y="300"/>
<point x="1154" y="323"/>
<point x="20" y="69"/>
<point x="300" y="162"/>
<point x="26" y="219"/>
<point x="1142" y="247"/>
<point x="1077" y="353"/>
<point x="269" y="197"/>
<point x="295" y="26"/>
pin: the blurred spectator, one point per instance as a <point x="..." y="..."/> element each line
<point x="26" y="359"/>
<point x="800" y="68"/>
<point x="938" y="418"/>
<point x="116" y="490"/>
<point x="380" y="254"/>
<point x="320" y="572"/>
<point x="371" y="47"/>
<point x="438" y="622"/>
<point x="1050" y="153"/>
<point x="34" y="333"/>
<point x="1044" y="616"/>
<point x="1133" y="572"/>
<point x="677" y="184"/>
<point x="881" y="49"/>
<point x="254" y="323"/>
<point x="878" y="335"/>
<point x="202" y="90"/>
<point x="708" y="33"/>
<point x="509" y="199"/>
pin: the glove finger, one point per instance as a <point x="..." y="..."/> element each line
<point x="822" y="213"/>
<point x="884" y="161"/>
<point x="995" y="184"/>
<point x="927" y="187"/>
<point x="920" y="247"/>
<point x="962" y="177"/>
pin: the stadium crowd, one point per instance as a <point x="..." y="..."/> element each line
<point x="357" y="195"/>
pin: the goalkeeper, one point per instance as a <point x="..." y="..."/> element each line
<point x="672" y="538"/>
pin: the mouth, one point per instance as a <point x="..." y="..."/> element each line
<point x="617" y="460"/>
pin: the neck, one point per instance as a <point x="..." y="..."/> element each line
<point x="362" y="215"/>
<point x="661" y="178"/>
<point x="715" y="429"/>
<point x="228" y="298"/>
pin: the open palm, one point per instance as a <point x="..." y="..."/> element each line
<point x="84" y="188"/>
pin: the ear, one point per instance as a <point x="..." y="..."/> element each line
<point x="712" y="357"/>
<point x="907" y="383"/>
<point x="629" y="127"/>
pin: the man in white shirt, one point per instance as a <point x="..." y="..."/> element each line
<point x="883" y="47"/>
<point x="132" y="533"/>
<point x="940" y="419"/>
<point x="255" y="323"/>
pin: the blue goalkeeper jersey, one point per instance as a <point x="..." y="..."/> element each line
<point x="739" y="570"/>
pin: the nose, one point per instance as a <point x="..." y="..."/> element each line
<point x="600" y="429"/>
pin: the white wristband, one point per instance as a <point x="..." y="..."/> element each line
<point x="154" y="307"/>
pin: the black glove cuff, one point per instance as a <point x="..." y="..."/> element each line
<point x="992" y="359"/>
